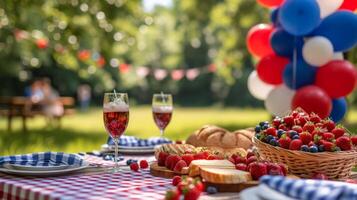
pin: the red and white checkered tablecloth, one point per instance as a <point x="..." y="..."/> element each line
<point x="128" y="185"/>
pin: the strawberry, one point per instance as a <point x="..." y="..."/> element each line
<point x="144" y="164"/>
<point x="283" y="127"/>
<point x="193" y="193"/>
<point x="214" y="157"/>
<point x="354" y="140"/>
<point x="162" y="158"/>
<point x="134" y="166"/>
<point x="257" y="170"/>
<point x="188" y="158"/>
<point x="201" y="156"/>
<point x="271" y="131"/>
<point x="328" y="146"/>
<point x="318" y="131"/>
<point x="179" y="165"/>
<point x="241" y="160"/>
<point x="309" y="127"/>
<point x="295" y="114"/>
<point x="172" y="195"/>
<point x="250" y="153"/>
<point x="274" y="169"/>
<point x="289" y="120"/>
<point x="171" y="161"/>
<point x="301" y="120"/>
<point x="199" y="185"/>
<point x="319" y="176"/>
<point x="305" y="137"/>
<point x="315" y="118"/>
<point x="176" y="180"/>
<point x="241" y="166"/>
<point x="338" y="132"/>
<point x="283" y="168"/>
<point x="297" y="128"/>
<point x="328" y="136"/>
<point x="276" y="122"/>
<point x="344" y="143"/>
<point x="311" y="143"/>
<point x="328" y="124"/>
<point x="295" y="144"/>
<point x="284" y="141"/>
<point x="251" y="159"/>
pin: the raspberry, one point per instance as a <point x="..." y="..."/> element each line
<point x="134" y="166"/>
<point x="144" y="164"/>
<point x="176" y="180"/>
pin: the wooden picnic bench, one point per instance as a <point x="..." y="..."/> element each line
<point x="23" y="107"/>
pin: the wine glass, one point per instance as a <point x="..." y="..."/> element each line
<point x="162" y="110"/>
<point x="116" y="118"/>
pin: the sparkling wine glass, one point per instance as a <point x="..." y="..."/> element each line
<point x="116" y="118"/>
<point x="162" y="110"/>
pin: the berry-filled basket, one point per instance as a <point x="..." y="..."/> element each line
<point x="307" y="144"/>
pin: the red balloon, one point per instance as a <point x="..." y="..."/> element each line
<point x="270" y="69"/>
<point x="312" y="99"/>
<point x="270" y="3"/>
<point x="258" y="40"/>
<point x="349" y="5"/>
<point x="338" y="78"/>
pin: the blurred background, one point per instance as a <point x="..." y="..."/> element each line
<point x="192" y="49"/>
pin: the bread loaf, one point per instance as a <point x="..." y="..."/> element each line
<point x="224" y="176"/>
<point x="196" y="165"/>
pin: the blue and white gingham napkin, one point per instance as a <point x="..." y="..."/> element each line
<point x="308" y="189"/>
<point x="43" y="159"/>
<point x="131" y="141"/>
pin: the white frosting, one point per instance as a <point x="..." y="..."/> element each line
<point x="162" y="109"/>
<point x="116" y="107"/>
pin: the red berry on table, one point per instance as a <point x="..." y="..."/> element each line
<point x="162" y="158"/>
<point x="354" y="140"/>
<point x="176" y="180"/>
<point x="144" y="164"/>
<point x="199" y="185"/>
<point x="344" y="143"/>
<point x="241" y="160"/>
<point x="192" y="194"/>
<point x="181" y="186"/>
<point x="338" y="132"/>
<point x="172" y="195"/>
<point x="305" y="137"/>
<point x="250" y="154"/>
<point x="171" y="161"/>
<point x="241" y="166"/>
<point x="297" y="128"/>
<point x="288" y="120"/>
<point x="329" y="125"/>
<point x="134" y="166"/>
<point x="319" y="176"/>
<point x="328" y="146"/>
<point x="295" y="144"/>
<point x="179" y="165"/>
<point x="271" y="131"/>
<point x="315" y="118"/>
<point x="257" y="170"/>
<point x="188" y="158"/>
<point x="284" y="141"/>
<point x="251" y="159"/>
<point x="309" y="127"/>
<point x="274" y="169"/>
<point x="328" y="136"/>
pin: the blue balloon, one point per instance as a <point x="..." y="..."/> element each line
<point x="299" y="17"/>
<point x="305" y="74"/>
<point x="340" y="28"/>
<point x="284" y="43"/>
<point x="339" y="109"/>
<point x="274" y="17"/>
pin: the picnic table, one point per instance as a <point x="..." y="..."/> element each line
<point x="19" y="106"/>
<point x="94" y="183"/>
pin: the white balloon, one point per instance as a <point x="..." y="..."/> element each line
<point x="317" y="51"/>
<point x="338" y="56"/>
<point x="327" y="7"/>
<point x="279" y="100"/>
<point x="257" y="87"/>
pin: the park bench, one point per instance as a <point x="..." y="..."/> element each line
<point x="24" y="108"/>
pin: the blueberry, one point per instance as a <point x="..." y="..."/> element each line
<point x="273" y="142"/>
<point x="128" y="162"/>
<point x="321" y="148"/>
<point x="211" y="190"/>
<point x="261" y="124"/>
<point x="296" y="137"/>
<point x="304" y="148"/>
<point x="266" y="126"/>
<point x="268" y="138"/>
<point x="313" y="149"/>
<point x="257" y="129"/>
<point x="280" y="132"/>
<point x="292" y="133"/>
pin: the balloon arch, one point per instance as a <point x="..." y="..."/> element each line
<point x="300" y="55"/>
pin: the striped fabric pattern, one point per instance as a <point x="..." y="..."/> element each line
<point x="307" y="189"/>
<point x="43" y="159"/>
<point x="131" y="141"/>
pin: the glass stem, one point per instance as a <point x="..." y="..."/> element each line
<point x="116" y="153"/>
<point x="162" y="133"/>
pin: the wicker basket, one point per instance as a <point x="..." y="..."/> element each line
<point x="336" y="165"/>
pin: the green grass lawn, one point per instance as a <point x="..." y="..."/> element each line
<point x="85" y="131"/>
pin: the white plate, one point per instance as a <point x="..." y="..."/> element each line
<point x="43" y="173"/>
<point x="35" y="168"/>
